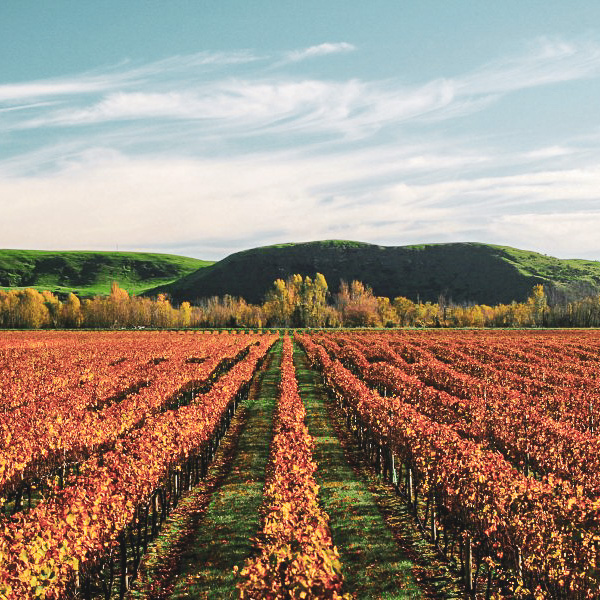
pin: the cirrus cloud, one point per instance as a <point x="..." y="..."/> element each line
<point x="162" y="155"/>
<point x="319" y="50"/>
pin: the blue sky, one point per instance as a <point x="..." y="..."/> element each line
<point x="207" y="127"/>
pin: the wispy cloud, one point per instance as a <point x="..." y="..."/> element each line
<point x="122" y="75"/>
<point x="550" y="152"/>
<point x="114" y="199"/>
<point x="103" y="154"/>
<point x="59" y="87"/>
<point x="547" y="61"/>
<point x="182" y="88"/>
<point x="319" y="50"/>
<point x="553" y="233"/>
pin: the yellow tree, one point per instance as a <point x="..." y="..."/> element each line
<point x="118" y="305"/>
<point x="54" y="307"/>
<point x="298" y="302"/>
<point x="278" y="305"/>
<point x="406" y="310"/>
<point x="303" y="299"/>
<point x="71" y="315"/>
<point x="537" y="304"/>
<point x="459" y="316"/>
<point x="252" y="315"/>
<point x="8" y="308"/>
<point x="388" y="317"/>
<point x="140" y="312"/>
<point x="477" y="316"/>
<point x="31" y="310"/>
<point x="319" y="299"/>
<point x="185" y="314"/>
<point x="426" y="315"/>
<point x="163" y="313"/>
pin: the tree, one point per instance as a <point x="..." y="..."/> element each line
<point x="70" y="314"/>
<point x="388" y="317"/>
<point x="537" y="304"/>
<point x="31" y="312"/>
<point x="357" y="305"/>
<point x="118" y="305"/>
<point x="53" y="305"/>
<point x="319" y="298"/>
<point x="185" y="314"/>
<point x="406" y="310"/>
<point x="163" y="314"/>
<point x="278" y="304"/>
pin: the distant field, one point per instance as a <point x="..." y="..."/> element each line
<point x="91" y="273"/>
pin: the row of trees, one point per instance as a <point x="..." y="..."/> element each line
<point x="302" y="302"/>
<point x="30" y="309"/>
<point x="296" y="302"/>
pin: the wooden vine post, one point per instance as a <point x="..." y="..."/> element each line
<point x="409" y="485"/>
<point x="468" y="564"/>
<point x="434" y="533"/>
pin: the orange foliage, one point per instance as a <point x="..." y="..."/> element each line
<point x="296" y="557"/>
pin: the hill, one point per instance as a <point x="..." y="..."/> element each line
<point x="91" y="273"/>
<point x="461" y="272"/>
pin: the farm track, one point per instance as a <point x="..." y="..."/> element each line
<point x="211" y="531"/>
<point x="382" y="553"/>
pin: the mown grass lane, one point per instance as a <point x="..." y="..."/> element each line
<point x="382" y="553"/>
<point x="212" y="529"/>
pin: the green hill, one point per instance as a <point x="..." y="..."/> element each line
<point x="91" y="273"/>
<point x="461" y="272"/>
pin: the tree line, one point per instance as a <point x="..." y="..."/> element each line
<point x="296" y="302"/>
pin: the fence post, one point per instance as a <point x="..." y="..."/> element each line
<point x="468" y="564"/>
<point x="434" y="535"/>
<point x="124" y="579"/>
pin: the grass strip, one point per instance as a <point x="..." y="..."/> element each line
<point x="212" y="529"/>
<point x="382" y="552"/>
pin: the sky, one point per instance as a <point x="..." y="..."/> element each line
<point x="205" y="127"/>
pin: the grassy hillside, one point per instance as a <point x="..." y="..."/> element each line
<point x="579" y="272"/>
<point x="91" y="273"/>
<point x="462" y="272"/>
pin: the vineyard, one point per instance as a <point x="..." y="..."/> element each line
<point x="353" y="464"/>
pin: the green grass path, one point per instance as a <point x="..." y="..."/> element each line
<point x="212" y="529"/>
<point x="232" y="519"/>
<point x="373" y="564"/>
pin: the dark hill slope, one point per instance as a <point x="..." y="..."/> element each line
<point x="462" y="272"/>
<point x="90" y="273"/>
